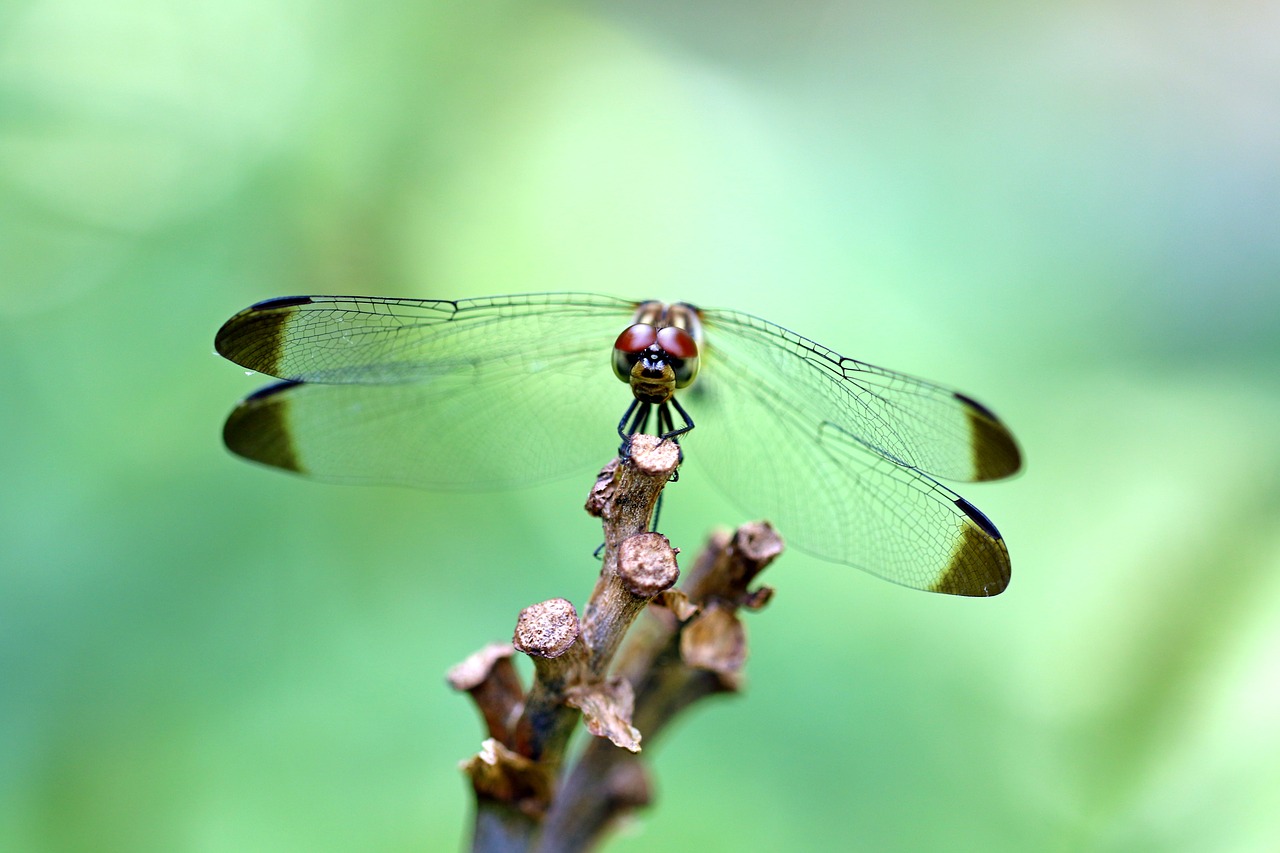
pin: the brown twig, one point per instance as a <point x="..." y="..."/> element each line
<point x="549" y="634"/>
<point x="694" y="647"/>
<point x="491" y="679"/>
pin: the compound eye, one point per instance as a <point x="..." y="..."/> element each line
<point x="683" y="350"/>
<point x="636" y="338"/>
<point x="677" y="342"/>
<point x="633" y="341"/>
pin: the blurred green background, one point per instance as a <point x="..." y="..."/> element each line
<point x="1069" y="210"/>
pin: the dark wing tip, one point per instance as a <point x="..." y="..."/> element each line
<point x="258" y="428"/>
<point x="254" y="338"/>
<point x="978" y="517"/>
<point x="281" y="302"/>
<point x="979" y="563"/>
<point x="995" y="452"/>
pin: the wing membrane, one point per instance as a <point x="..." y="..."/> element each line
<point x="834" y="452"/>
<point x="374" y="340"/>
<point x="910" y="421"/>
<point x="469" y="394"/>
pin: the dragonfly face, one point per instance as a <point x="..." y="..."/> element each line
<point x="842" y="456"/>
<point x="655" y="356"/>
<point x="655" y="362"/>
<point x="658" y="353"/>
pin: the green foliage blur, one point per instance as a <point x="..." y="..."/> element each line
<point x="1068" y="210"/>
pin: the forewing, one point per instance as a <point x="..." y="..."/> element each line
<point x="472" y="394"/>
<point x="910" y="421"/>
<point x="377" y="340"/>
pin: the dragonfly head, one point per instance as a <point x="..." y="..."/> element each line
<point x="655" y="362"/>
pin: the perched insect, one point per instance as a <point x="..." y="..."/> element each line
<point x="840" y="455"/>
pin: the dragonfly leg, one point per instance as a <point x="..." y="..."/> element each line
<point x="665" y="422"/>
<point x="638" y="415"/>
<point x="622" y="424"/>
<point x="641" y="423"/>
<point x="684" y="416"/>
<point x="668" y="430"/>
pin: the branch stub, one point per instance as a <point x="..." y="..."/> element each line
<point x="647" y="564"/>
<point x="547" y="629"/>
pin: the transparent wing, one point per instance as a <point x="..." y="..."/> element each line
<point x="474" y="393"/>
<point x="374" y="340"/>
<point x="834" y="452"/>
<point x="910" y="421"/>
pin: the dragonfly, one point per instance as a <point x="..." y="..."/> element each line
<point x="843" y="457"/>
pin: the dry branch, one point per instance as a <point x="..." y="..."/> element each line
<point x="693" y="646"/>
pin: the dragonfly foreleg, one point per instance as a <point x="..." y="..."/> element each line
<point x="684" y="416"/>
<point x="638" y="415"/>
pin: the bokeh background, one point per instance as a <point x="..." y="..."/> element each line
<point x="1069" y="210"/>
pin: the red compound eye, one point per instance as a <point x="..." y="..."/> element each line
<point x="627" y="349"/>
<point x="636" y="338"/>
<point x="677" y="342"/>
